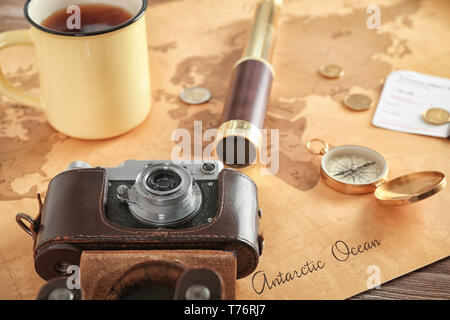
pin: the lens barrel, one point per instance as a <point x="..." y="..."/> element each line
<point x="164" y="195"/>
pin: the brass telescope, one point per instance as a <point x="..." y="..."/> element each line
<point x="239" y="137"/>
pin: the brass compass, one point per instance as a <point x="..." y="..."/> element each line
<point x="356" y="169"/>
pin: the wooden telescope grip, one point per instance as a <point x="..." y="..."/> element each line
<point x="239" y="137"/>
<point x="249" y="93"/>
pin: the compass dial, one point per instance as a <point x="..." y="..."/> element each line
<point x="353" y="169"/>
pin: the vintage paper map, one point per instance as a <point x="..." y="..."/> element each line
<point x="307" y="225"/>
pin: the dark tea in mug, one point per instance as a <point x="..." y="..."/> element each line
<point x="92" y="18"/>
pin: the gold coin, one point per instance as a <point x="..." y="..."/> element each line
<point x="358" y="101"/>
<point x="436" y="116"/>
<point x="331" y="71"/>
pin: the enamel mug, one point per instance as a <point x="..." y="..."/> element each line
<point x="94" y="85"/>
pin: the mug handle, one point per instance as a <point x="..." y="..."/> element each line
<point x="9" y="39"/>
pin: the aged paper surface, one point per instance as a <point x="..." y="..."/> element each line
<point x="197" y="43"/>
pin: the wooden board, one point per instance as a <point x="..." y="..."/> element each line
<point x="197" y="43"/>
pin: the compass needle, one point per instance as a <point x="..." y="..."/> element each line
<point x="353" y="168"/>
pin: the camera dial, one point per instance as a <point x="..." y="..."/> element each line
<point x="164" y="194"/>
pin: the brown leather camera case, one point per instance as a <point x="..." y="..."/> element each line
<point x="72" y="220"/>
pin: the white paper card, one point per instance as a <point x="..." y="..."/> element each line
<point x="406" y="96"/>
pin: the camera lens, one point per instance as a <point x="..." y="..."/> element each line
<point x="163" y="180"/>
<point x="164" y="194"/>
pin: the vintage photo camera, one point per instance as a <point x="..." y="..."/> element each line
<point x="148" y="224"/>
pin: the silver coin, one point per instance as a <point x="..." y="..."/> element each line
<point x="195" y="95"/>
